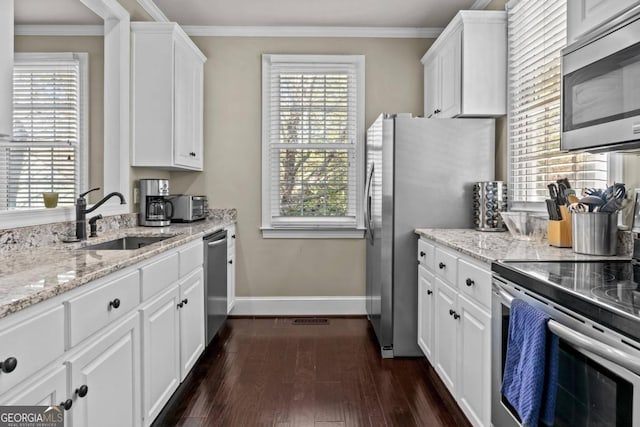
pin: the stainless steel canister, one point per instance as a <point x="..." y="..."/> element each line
<point x="594" y="233"/>
<point x="489" y="199"/>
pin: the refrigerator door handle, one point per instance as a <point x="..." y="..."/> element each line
<point x="367" y="203"/>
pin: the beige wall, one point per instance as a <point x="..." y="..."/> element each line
<point x="232" y="175"/>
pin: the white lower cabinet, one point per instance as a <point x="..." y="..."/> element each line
<point x="161" y="352"/>
<point x="48" y="389"/>
<point x="125" y="358"/>
<point x="426" y="300"/>
<point x="104" y="378"/>
<point x="445" y="342"/>
<point x="454" y="326"/>
<point x="191" y="321"/>
<point x="231" y="267"/>
<point x="474" y="362"/>
<point x="173" y="339"/>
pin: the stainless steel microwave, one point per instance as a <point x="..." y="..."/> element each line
<point x="601" y="88"/>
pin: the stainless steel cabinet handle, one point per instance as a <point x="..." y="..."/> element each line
<point x="216" y="243"/>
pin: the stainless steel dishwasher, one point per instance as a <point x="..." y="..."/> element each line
<point x="215" y="276"/>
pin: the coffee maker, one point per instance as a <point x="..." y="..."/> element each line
<point x="155" y="208"/>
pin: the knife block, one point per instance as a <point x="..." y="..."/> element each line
<point x="559" y="232"/>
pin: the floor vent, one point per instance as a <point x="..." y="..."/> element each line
<point x="310" y="321"/>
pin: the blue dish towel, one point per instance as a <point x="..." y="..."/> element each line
<point x="531" y="370"/>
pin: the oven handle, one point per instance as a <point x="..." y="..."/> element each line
<point x="579" y="340"/>
<point x="614" y="355"/>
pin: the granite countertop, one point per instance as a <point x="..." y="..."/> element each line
<point x="500" y="246"/>
<point x="33" y="275"/>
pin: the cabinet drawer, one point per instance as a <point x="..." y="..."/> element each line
<point x="159" y="275"/>
<point x="425" y="254"/>
<point x="475" y="282"/>
<point x="34" y="343"/>
<point x="445" y="265"/>
<point x="97" y="308"/>
<point x="191" y="258"/>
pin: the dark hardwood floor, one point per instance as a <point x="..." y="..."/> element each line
<point x="270" y="372"/>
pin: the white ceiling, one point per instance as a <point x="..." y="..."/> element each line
<point x="332" y="13"/>
<point x="54" y="12"/>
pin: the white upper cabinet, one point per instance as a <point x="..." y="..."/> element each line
<point x="585" y="15"/>
<point x="6" y="68"/>
<point x="465" y="69"/>
<point x="167" y="97"/>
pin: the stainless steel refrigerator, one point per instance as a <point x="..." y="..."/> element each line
<point x="420" y="174"/>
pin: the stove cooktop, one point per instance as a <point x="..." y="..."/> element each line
<point x="608" y="292"/>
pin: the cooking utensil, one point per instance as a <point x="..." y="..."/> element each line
<point x="562" y="193"/>
<point x="553" y="210"/>
<point x="592" y="192"/>
<point x="592" y="202"/>
<point x="571" y="198"/>
<point x="565" y="182"/>
<point x="612" y="205"/>
<point x="577" y="207"/>
<point x="553" y="191"/>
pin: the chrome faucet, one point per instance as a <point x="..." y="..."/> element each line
<point x="82" y="211"/>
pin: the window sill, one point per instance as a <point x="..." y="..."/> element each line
<point x="315" y="233"/>
<point x="31" y="217"/>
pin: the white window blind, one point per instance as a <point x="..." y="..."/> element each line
<point x="536" y="34"/>
<point x="312" y="141"/>
<point x="45" y="152"/>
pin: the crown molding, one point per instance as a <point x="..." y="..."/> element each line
<point x="152" y="9"/>
<point x="273" y="31"/>
<point x="59" y="30"/>
<point x="480" y="4"/>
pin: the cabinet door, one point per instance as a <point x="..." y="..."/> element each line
<point x="160" y="352"/>
<point x="426" y="314"/>
<point x="231" y="267"/>
<point x="451" y="77"/>
<point x="445" y="333"/>
<point x="48" y="390"/>
<point x="191" y="321"/>
<point x="585" y="15"/>
<point x="109" y="368"/>
<point x="188" y="107"/>
<point x="431" y="86"/>
<point x="474" y="362"/>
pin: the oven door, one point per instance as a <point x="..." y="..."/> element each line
<point x="593" y="389"/>
<point x="600" y="90"/>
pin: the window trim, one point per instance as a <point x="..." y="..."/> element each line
<point x="116" y="122"/>
<point x="306" y="228"/>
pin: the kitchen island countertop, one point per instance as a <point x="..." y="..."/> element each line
<point x="30" y="276"/>
<point x="500" y="246"/>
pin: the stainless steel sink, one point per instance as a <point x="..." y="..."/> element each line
<point x="126" y="243"/>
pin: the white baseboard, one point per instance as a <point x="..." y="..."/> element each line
<point x="299" y="306"/>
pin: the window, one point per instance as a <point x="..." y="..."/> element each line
<point x="48" y="149"/>
<point x="536" y="33"/>
<point x="312" y="145"/>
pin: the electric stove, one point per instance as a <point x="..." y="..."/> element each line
<point x="607" y="292"/>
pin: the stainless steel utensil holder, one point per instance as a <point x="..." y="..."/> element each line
<point x="489" y="199"/>
<point x="595" y="233"/>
